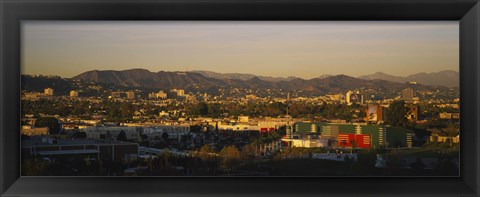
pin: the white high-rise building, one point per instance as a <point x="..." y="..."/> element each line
<point x="347" y="96"/>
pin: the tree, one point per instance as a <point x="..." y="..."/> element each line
<point x="51" y="122"/>
<point x="394" y="162"/>
<point x="200" y="109"/>
<point x="79" y="134"/>
<point x="206" y="152"/>
<point x="248" y="153"/>
<point x="165" y="136"/>
<point x="34" y="167"/>
<point x="122" y="136"/>
<point x="396" y="114"/>
<point x="418" y="165"/>
<point x="230" y="156"/>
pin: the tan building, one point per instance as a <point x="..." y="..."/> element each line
<point x="181" y="93"/>
<point x="34" y="131"/>
<point x="161" y="95"/>
<point x="131" y="95"/>
<point x="48" y="91"/>
<point x="449" y="115"/>
<point x="152" y="95"/>
<point x="73" y="93"/>
<point x="442" y="137"/>
<point x="242" y="118"/>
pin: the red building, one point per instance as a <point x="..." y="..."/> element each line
<point x="266" y="129"/>
<point x="360" y="140"/>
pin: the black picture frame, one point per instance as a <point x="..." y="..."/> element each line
<point x="12" y="12"/>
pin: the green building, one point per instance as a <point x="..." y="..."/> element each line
<point x="392" y="137"/>
<point x="305" y="127"/>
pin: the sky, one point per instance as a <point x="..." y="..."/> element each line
<point x="266" y="48"/>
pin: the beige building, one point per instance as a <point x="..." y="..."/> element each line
<point x="48" y="91"/>
<point x="242" y="118"/>
<point x="73" y="93"/>
<point x="161" y="95"/>
<point x="449" y="115"/>
<point x="441" y="137"/>
<point x="131" y="95"/>
<point x="181" y="93"/>
<point x="34" y="131"/>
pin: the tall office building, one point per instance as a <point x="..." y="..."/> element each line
<point x="407" y="94"/>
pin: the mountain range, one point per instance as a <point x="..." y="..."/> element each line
<point x="211" y="80"/>
<point x="241" y="76"/>
<point x="447" y="78"/>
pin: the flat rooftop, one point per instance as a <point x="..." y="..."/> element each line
<point x="67" y="152"/>
<point x="38" y="141"/>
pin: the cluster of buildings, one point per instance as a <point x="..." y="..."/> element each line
<point x="100" y="141"/>
<point x="347" y="135"/>
<point x="371" y="133"/>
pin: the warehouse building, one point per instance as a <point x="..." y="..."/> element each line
<point x="99" y="149"/>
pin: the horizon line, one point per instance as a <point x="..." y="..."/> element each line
<point x="195" y="71"/>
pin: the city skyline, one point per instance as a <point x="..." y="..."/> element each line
<point x="276" y="49"/>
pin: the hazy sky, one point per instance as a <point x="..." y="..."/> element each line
<point x="302" y="49"/>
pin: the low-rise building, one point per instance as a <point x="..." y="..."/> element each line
<point x="34" y="131"/>
<point x="446" y="115"/>
<point x="73" y="93"/>
<point x="48" y="91"/>
<point x="111" y="133"/>
<point x="99" y="149"/>
<point x="443" y="137"/>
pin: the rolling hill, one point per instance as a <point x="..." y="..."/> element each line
<point x="196" y="80"/>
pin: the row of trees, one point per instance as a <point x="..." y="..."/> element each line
<point x="396" y="115"/>
<point x="62" y="107"/>
<point x="229" y="157"/>
<point x="274" y="109"/>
